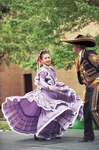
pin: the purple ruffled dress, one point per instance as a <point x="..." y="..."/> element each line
<point x="42" y="111"/>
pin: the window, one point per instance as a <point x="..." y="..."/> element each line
<point x="28" y="82"/>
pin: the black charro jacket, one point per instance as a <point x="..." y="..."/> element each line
<point x="89" y="67"/>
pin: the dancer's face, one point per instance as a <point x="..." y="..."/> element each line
<point x="46" y="60"/>
<point x="77" y="49"/>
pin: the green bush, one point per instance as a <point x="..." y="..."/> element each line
<point x="4" y="125"/>
<point x="79" y="124"/>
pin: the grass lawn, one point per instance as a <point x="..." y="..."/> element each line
<point x="4" y="125"/>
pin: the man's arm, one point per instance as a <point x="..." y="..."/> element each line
<point x="94" y="59"/>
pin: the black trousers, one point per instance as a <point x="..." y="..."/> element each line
<point x="88" y="128"/>
<point x="91" y="109"/>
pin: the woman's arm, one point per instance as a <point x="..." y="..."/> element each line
<point x="60" y="84"/>
<point x="43" y="83"/>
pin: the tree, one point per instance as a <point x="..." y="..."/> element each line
<point x="27" y="26"/>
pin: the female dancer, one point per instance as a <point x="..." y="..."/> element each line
<point x="47" y="111"/>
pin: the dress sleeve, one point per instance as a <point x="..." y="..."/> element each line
<point x="94" y="59"/>
<point x="61" y="85"/>
<point x="43" y="83"/>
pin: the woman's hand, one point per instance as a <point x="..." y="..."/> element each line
<point x="49" y="87"/>
<point x="61" y="83"/>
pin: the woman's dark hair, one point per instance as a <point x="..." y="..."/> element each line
<point x="42" y="53"/>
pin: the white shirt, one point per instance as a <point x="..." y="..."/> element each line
<point x="80" y="56"/>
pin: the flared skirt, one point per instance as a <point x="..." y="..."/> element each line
<point x="47" y="115"/>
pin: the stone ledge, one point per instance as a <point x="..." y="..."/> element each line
<point x="2" y="119"/>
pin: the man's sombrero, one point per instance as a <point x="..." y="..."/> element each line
<point x="81" y="40"/>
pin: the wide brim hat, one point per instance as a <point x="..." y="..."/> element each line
<point x="87" y="42"/>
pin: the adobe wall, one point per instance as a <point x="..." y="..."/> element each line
<point x="70" y="78"/>
<point x="12" y="82"/>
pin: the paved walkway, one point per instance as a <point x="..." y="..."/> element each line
<point x="10" y="140"/>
